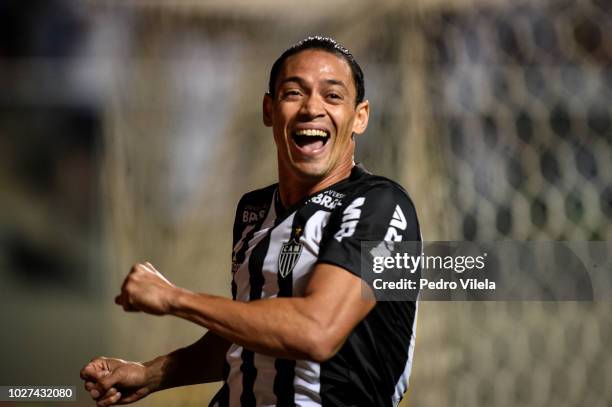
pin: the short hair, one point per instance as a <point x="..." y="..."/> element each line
<point x="324" y="44"/>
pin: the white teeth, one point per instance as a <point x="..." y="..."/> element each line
<point x="311" y="132"/>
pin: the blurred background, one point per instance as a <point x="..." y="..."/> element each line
<point x="129" y="130"/>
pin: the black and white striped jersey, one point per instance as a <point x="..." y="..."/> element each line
<point x="276" y="249"/>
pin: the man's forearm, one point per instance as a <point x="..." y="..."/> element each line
<point x="201" y="362"/>
<point x="313" y="326"/>
<point x="276" y="327"/>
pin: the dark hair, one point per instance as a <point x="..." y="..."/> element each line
<point x="325" y="44"/>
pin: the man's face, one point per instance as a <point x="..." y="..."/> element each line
<point x="313" y="116"/>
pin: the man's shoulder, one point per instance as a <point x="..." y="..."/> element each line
<point x="378" y="198"/>
<point x="380" y="183"/>
<point x="263" y="195"/>
<point x="255" y="204"/>
<point x="377" y="187"/>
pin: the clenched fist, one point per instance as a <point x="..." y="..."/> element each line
<point x="114" y="381"/>
<point x="146" y="289"/>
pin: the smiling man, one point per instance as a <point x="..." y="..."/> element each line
<point x="299" y="329"/>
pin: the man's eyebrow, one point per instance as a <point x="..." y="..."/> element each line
<point x="336" y="82"/>
<point x="297" y="79"/>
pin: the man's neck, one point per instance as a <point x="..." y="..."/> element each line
<point x="292" y="190"/>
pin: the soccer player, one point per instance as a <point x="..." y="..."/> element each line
<point x="299" y="330"/>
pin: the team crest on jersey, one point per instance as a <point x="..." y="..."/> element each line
<point x="288" y="257"/>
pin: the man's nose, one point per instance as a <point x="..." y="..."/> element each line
<point x="312" y="107"/>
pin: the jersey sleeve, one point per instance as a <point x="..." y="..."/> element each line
<point x="238" y="222"/>
<point x="382" y="213"/>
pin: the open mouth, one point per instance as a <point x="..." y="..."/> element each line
<point x="310" y="140"/>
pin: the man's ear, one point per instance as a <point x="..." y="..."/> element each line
<point x="361" y="118"/>
<point x="267" y="109"/>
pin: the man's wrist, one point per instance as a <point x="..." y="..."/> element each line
<point x="154" y="373"/>
<point x="177" y="300"/>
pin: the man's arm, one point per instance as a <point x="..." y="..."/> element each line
<point x="110" y="380"/>
<point x="200" y="362"/>
<point x="310" y="327"/>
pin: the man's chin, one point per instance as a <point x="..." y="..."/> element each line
<point x="310" y="172"/>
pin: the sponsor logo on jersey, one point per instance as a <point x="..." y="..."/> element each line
<point x="350" y="218"/>
<point x="398" y="222"/>
<point x="328" y="199"/>
<point x="252" y="214"/>
<point x="288" y="257"/>
<point x="235" y="265"/>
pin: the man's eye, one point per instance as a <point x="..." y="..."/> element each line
<point x="292" y="93"/>
<point x="334" y="96"/>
